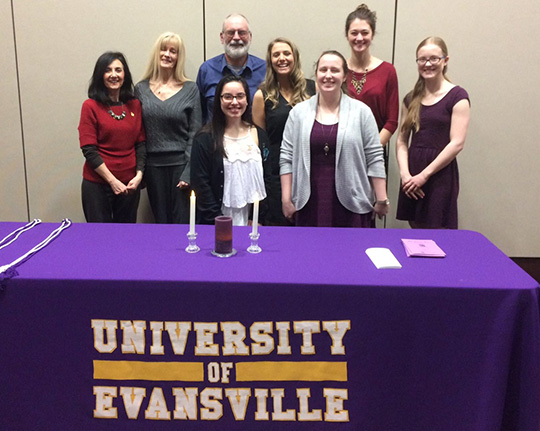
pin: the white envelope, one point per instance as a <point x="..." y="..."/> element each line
<point x="383" y="258"/>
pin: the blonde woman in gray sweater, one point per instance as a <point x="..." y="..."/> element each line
<point x="171" y="113"/>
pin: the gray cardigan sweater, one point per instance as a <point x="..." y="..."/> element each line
<point x="359" y="154"/>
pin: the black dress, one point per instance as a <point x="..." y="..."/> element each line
<point x="275" y="124"/>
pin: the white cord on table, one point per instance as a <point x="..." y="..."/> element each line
<point x="16" y="233"/>
<point x="65" y="224"/>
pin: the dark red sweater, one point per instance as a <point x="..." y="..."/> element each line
<point x="115" y="140"/>
<point x="380" y="93"/>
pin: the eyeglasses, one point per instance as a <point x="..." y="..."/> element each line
<point x="433" y="60"/>
<point x="240" y="97"/>
<point x="241" y="33"/>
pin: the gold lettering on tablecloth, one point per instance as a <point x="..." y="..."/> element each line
<point x="134" y="332"/>
<point x="225" y="340"/>
<point x="157" y="406"/>
<point x="210" y="404"/>
<point x="133" y="398"/>
<point x="185" y="403"/>
<point x="104" y="330"/>
<point x="235" y="342"/>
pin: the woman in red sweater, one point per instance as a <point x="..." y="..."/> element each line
<point x="112" y="140"/>
<point x="370" y="79"/>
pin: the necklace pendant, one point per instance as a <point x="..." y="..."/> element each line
<point x="358" y="84"/>
<point x="118" y="117"/>
<point x="326" y="148"/>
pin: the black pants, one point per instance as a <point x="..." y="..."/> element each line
<point x="101" y="205"/>
<point x="169" y="203"/>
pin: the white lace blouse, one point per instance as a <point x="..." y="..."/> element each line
<point x="243" y="172"/>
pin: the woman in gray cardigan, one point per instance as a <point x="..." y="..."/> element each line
<point x="331" y="161"/>
<point x="171" y="111"/>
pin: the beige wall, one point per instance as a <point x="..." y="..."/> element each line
<point x="491" y="56"/>
<point x="12" y="191"/>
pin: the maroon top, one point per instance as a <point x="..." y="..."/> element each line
<point x="380" y="93"/>
<point x="438" y="209"/>
<point x="115" y="139"/>
<point x="323" y="207"/>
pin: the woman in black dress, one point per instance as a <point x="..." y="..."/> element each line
<point x="283" y="87"/>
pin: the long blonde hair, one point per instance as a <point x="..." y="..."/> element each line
<point x="412" y="120"/>
<point x="270" y="86"/>
<point x="153" y="70"/>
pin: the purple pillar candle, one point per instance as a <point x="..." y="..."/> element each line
<point x="223" y="235"/>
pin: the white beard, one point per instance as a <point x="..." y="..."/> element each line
<point x="237" y="50"/>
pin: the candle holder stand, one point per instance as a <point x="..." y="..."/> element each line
<point x="192" y="247"/>
<point x="254" y="247"/>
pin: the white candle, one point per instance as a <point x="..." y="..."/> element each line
<point x="255" y="215"/>
<point x="192" y="205"/>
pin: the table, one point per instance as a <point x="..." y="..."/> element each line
<point x="116" y="327"/>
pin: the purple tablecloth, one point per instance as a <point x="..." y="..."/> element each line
<point x="306" y="335"/>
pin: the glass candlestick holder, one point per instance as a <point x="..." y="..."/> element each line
<point x="192" y="247"/>
<point x="254" y="247"/>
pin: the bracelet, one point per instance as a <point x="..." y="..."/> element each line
<point x="384" y="202"/>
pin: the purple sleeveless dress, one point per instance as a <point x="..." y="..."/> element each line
<point x="323" y="208"/>
<point x="438" y="209"/>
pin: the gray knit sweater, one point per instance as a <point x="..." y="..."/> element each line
<point x="170" y="125"/>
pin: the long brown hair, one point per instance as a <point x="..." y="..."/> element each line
<point x="216" y="127"/>
<point x="412" y="120"/>
<point x="270" y="86"/>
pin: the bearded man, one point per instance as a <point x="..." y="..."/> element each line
<point x="236" y="38"/>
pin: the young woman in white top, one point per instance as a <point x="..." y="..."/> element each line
<point x="227" y="157"/>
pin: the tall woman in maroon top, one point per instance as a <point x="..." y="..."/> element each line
<point x="370" y="79"/>
<point x="113" y="142"/>
<point x="435" y="117"/>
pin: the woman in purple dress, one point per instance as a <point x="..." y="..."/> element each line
<point x="331" y="161"/>
<point x="435" y="117"/>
